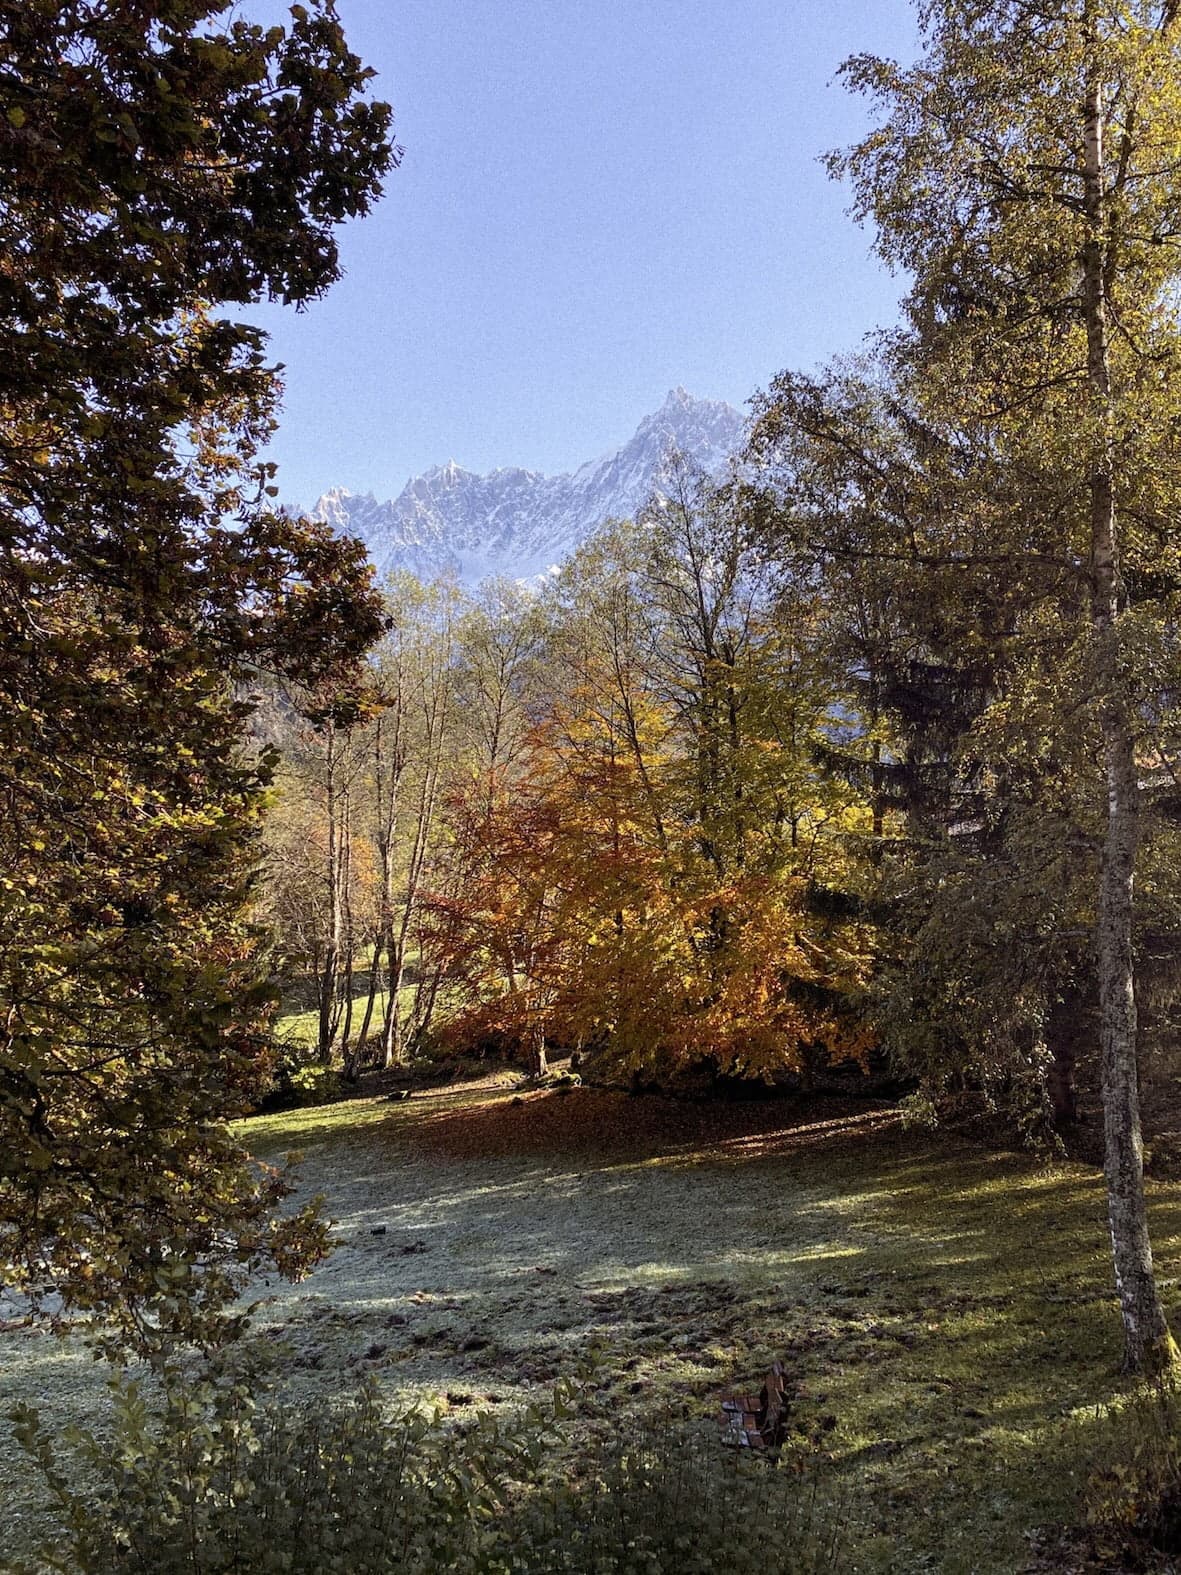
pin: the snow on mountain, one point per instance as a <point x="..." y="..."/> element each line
<point x="520" y="522"/>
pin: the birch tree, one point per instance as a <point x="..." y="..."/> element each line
<point x="1027" y="174"/>
<point x="412" y="743"/>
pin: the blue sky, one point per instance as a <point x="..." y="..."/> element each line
<point x="599" y="200"/>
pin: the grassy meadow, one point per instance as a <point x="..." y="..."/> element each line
<point x="944" y="1313"/>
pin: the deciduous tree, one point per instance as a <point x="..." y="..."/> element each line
<point x="1025" y="173"/>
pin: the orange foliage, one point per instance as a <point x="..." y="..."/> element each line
<point x="588" y="920"/>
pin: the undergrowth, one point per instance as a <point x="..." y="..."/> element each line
<point x="1134" y="1494"/>
<point x="213" y="1483"/>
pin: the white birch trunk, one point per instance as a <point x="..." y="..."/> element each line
<point x="1147" y="1341"/>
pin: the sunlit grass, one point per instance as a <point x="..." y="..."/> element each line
<point x="951" y="1309"/>
<point x="304" y="1027"/>
<point x="299" y="1023"/>
<point x="945" y="1314"/>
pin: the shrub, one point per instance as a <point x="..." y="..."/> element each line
<point x="679" y="1502"/>
<point x="214" y="1485"/>
<point x="211" y="1484"/>
<point x="1134" y="1498"/>
<point x="315" y="1084"/>
<point x="300" y="1078"/>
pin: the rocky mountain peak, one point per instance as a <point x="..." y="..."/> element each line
<point x="519" y="522"/>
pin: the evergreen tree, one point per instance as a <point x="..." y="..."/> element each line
<point x="155" y="160"/>
<point x="1026" y="175"/>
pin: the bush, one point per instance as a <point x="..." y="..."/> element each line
<point x="315" y="1084"/>
<point x="1134" y="1499"/>
<point x="213" y="1485"/>
<point x="300" y="1078"/>
<point x="680" y="1502"/>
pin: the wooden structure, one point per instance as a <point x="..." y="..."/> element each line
<point x="758" y="1421"/>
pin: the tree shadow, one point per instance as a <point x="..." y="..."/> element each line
<point x="603" y="1124"/>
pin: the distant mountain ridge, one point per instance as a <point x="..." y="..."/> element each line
<point x="520" y="522"/>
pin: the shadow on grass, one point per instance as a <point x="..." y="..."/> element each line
<point x="955" y="1297"/>
<point x="947" y="1309"/>
<point x="598" y="1123"/>
<point x="950" y="1307"/>
<point x="466" y="1124"/>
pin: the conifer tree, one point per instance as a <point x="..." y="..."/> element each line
<point x="156" y="163"/>
<point x="1026" y="174"/>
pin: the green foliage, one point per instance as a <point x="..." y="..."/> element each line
<point x="937" y="494"/>
<point x="315" y="1085"/>
<point x="216" y="1484"/>
<point x="676" y="1502"/>
<point x="1134" y="1498"/>
<point x="300" y="1077"/>
<point x="1019" y="489"/>
<point x="155" y="162"/>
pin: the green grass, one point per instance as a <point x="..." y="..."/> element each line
<point x="945" y="1314"/>
<point x="304" y="1027"/>
<point x="300" y="1022"/>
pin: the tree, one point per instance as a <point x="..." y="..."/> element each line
<point x="979" y="864"/>
<point x="1025" y="174"/>
<point x="320" y="896"/>
<point x="496" y="676"/>
<point x="154" y="161"/>
<point x="413" y="755"/>
<point x="641" y="886"/>
<point x="479" y="888"/>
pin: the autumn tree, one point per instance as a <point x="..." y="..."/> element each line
<point x="320" y="899"/>
<point x="1025" y="174"/>
<point x="498" y="642"/>
<point x="156" y="162"/>
<point x="412" y="763"/>
<point x="642" y="892"/>
<point x="484" y="900"/>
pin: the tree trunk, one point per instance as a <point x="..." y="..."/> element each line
<point x="392" y="1048"/>
<point x="1147" y="1341"/>
<point x="348" y="934"/>
<point x="329" y="1014"/>
<point x="352" y="1069"/>
<point x="426" y="993"/>
<point x="387" y="819"/>
<point x="538" y="1060"/>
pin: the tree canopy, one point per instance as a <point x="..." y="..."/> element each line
<point x="156" y="163"/>
<point x="1016" y="486"/>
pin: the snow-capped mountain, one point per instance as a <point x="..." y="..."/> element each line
<point x="519" y="522"/>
